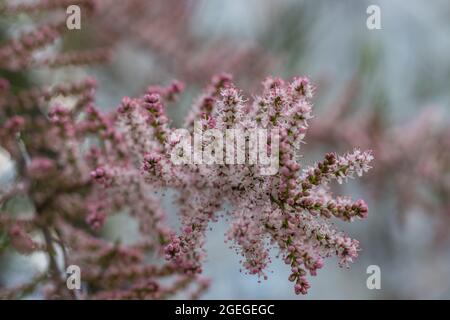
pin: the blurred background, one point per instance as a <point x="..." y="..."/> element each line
<point x="387" y="90"/>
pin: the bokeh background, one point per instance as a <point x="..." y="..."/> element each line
<point x="399" y="73"/>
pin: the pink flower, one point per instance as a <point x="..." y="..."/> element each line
<point x="294" y="219"/>
<point x="41" y="167"/>
<point x="21" y="240"/>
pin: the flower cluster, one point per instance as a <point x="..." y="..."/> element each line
<point x="57" y="146"/>
<point x="290" y="211"/>
<point x="78" y="166"/>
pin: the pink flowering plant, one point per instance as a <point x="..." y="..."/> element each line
<point x="289" y="211"/>
<point x="76" y="166"/>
